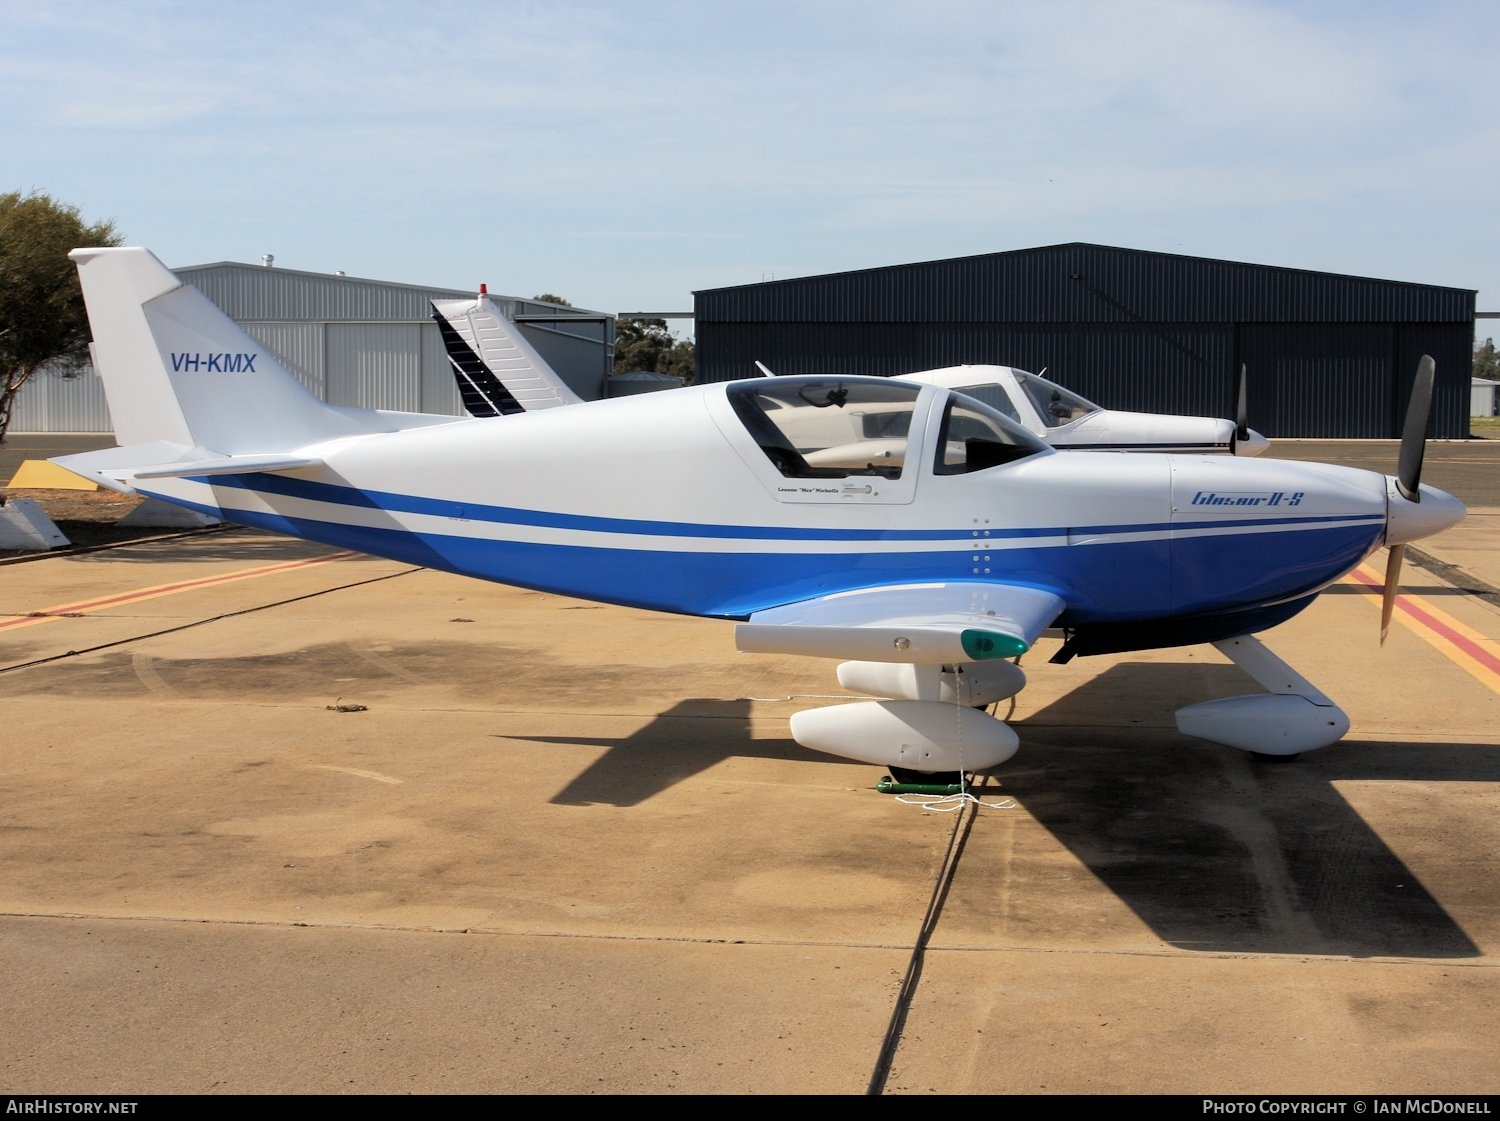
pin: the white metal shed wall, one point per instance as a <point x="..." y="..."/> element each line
<point x="52" y="404"/>
<point x="352" y="342"/>
<point x="1482" y="400"/>
<point x="375" y="365"/>
<point x="399" y="366"/>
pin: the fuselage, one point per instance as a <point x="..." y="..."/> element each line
<point x="668" y="502"/>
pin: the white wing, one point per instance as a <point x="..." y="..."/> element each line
<point x="920" y="623"/>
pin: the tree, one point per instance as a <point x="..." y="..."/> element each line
<point x="1486" y="360"/>
<point x="42" y="318"/>
<point x="646" y="344"/>
<point x="548" y="298"/>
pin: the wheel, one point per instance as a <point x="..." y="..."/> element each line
<point x="926" y="778"/>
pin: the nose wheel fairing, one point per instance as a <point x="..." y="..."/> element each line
<point x="1293" y="717"/>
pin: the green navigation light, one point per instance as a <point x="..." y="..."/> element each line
<point x="981" y="645"/>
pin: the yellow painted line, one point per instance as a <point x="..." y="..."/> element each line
<point x="1468" y="649"/>
<point x="120" y="599"/>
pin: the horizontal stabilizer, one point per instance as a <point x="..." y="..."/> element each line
<point x="227" y="465"/>
<point x="919" y="623"/>
<point x="117" y="467"/>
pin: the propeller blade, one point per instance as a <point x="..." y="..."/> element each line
<point x="1414" y="435"/>
<point x="1408" y="476"/>
<point x="1241" y="410"/>
<point x="1392" y="580"/>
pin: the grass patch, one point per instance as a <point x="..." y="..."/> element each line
<point x="1485" y="427"/>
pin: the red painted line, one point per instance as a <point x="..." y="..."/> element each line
<point x="85" y="606"/>
<point x="1437" y="627"/>
<point x="1463" y="642"/>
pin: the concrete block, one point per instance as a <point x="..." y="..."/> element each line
<point x="25" y="525"/>
<point x="155" y="512"/>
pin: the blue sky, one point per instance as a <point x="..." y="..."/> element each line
<point x="624" y="155"/>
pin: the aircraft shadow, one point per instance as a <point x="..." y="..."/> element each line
<point x="214" y="543"/>
<point x="1214" y="850"/>
<point x="686" y="740"/>
<point x="1219" y="851"/>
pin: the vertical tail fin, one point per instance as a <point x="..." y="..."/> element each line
<point x="179" y="371"/>
<point x="497" y="370"/>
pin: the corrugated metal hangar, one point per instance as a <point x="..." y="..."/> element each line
<point x="367" y="343"/>
<point x="1326" y="355"/>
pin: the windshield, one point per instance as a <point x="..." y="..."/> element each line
<point x="974" y="436"/>
<point x="1054" y="404"/>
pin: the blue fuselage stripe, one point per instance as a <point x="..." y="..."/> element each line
<point x="1156" y="572"/>
<point x="513" y="515"/>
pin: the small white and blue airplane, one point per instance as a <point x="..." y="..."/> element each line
<point x="914" y="534"/>
<point x="1069" y="421"/>
<point x="499" y="373"/>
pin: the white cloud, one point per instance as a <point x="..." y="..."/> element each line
<point x="632" y="146"/>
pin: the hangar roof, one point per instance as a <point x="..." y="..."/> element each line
<point x="1079" y="281"/>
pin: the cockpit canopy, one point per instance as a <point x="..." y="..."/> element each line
<point x="1055" y="405"/>
<point x="1029" y="399"/>
<point x="821" y="427"/>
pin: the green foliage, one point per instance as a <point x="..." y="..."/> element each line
<point x="647" y="345"/>
<point x="1486" y="360"/>
<point x="42" y="318"/>
<point x="548" y="298"/>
